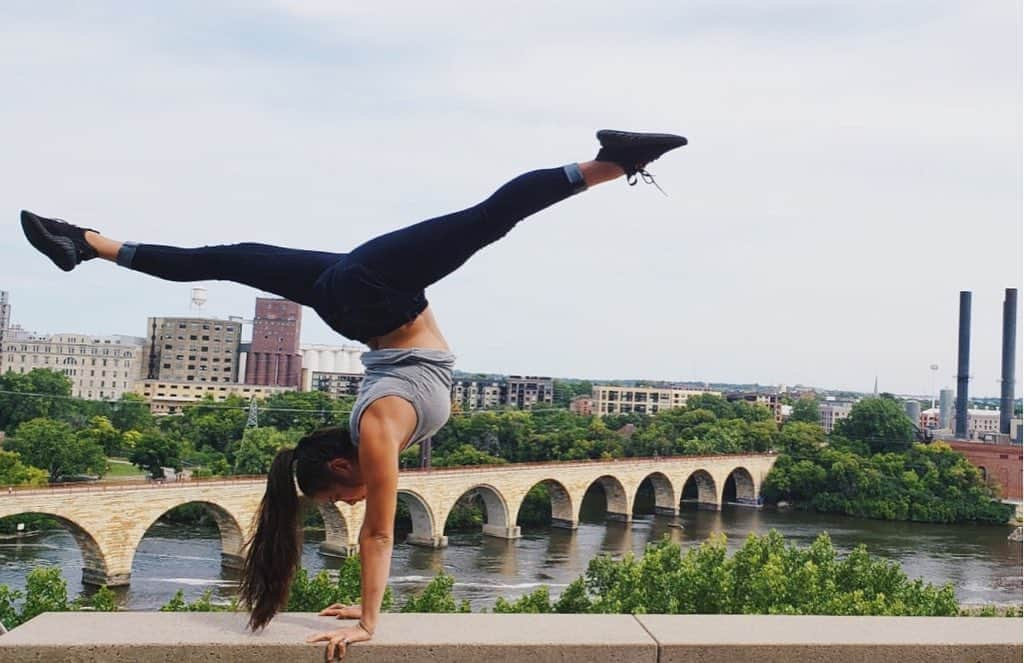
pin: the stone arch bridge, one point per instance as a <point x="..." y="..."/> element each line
<point x="109" y="521"/>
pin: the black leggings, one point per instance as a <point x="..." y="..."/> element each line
<point x="378" y="286"/>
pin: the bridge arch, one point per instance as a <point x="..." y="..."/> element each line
<point x="618" y="503"/>
<point x="232" y="537"/>
<point x="95" y="568"/>
<point x="707" y="496"/>
<point x="425" y="531"/>
<point x="665" y="502"/>
<point x="563" y="511"/>
<point x="496" y="508"/>
<point x="336" y="533"/>
<point x="745" y="488"/>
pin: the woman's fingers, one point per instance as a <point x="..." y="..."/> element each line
<point x="336" y="647"/>
<point x="333" y="606"/>
<point x="338" y="641"/>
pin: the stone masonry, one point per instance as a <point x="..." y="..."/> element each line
<point x="108" y="522"/>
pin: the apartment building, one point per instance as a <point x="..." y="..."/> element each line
<point x="527" y="391"/>
<point x="613" y="399"/>
<point x="478" y="394"/>
<point x="832" y="412"/>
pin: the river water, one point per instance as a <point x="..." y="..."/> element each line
<point x="978" y="560"/>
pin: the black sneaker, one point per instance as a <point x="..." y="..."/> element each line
<point x="58" y="240"/>
<point x="633" y="151"/>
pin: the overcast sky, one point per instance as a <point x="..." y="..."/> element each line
<point x="852" y="166"/>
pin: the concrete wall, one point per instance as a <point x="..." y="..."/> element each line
<point x="188" y="637"/>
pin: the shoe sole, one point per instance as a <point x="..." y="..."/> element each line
<point x="60" y="250"/>
<point x="612" y="138"/>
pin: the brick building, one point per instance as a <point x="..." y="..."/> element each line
<point x="1001" y="464"/>
<point x="582" y="405"/>
<point x="274" y="357"/>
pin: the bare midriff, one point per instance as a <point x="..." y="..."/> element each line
<point x="421" y="332"/>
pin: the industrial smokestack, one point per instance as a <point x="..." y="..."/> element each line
<point x="963" y="364"/>
<point x="1009" y="365"/>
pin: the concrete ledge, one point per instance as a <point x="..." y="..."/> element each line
<point x="813" y="639"/>
<point x="148" y="637"/>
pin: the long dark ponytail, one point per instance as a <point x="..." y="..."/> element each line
<point x="272" y="554"/>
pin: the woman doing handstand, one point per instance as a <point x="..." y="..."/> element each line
<point x="374" y="294"/>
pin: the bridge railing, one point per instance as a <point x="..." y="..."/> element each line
<point x="100" y="486"/>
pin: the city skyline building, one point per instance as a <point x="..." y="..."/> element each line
<point x="187" y="349"/>
<point x="99" y="367"/>
<point x="5" y="319"/>
<point x="478" y="394"/>
<point x="332" y="383"/>
<point x="274" y="356"/>
<point x="169" y="397"/>
<point x="526" y="391"/>
<point x="832" y="412"/>
<point x="614" y="399"/>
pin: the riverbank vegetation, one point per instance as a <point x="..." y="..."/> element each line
<point x="766" y="575"/>
<point x="871" y="467"/>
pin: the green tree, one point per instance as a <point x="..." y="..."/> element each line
<point x="801" y="440"/>
<point x="104" y="600"/>
<point x="15" y="473"/>
<point x="536" y="602"/>
<point x="304" y="410"/>
<point x="880" y="422"/>
<point x="204" y="603"/>
<point x="566" y="390"/>
<point x="131" y="412"/>
<point x="805" y="410"/>
<point x="466" y="454"/>
<point x="101" y="431"/>
<point x="436" y="597"/>
<point x="313" y="594"/>
<point x="154" y="451"/>
<point x="37" y="394"/>
<point x="52" y="445"/>
<point x="45" y="591"/>
<point x="258" y="447"/>
<point x="210" y="424"/>
<point x="8" y="608"/>
<point x="721" y="408"/>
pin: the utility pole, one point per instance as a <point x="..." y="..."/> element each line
<point x="254" y="415"/>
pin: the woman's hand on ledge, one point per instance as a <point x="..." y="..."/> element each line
<point x="338" y="641"/>
<point x="342" y="611"/>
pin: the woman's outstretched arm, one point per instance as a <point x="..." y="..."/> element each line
<point x="384" y="428"/>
